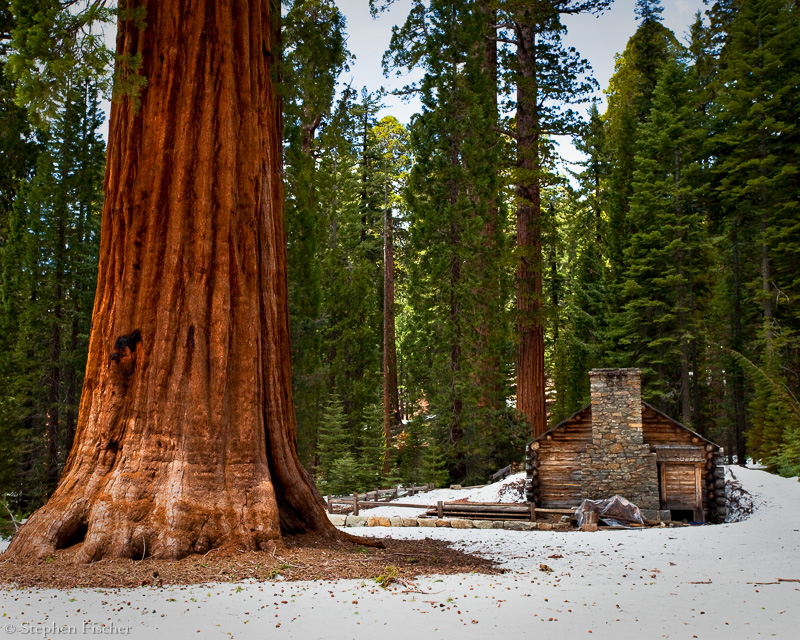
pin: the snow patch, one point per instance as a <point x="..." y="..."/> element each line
<point x="720" y="581"/>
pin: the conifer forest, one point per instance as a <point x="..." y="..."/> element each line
<point x="451" y="279"/>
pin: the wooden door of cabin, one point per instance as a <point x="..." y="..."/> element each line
<point x="681" y="488"/>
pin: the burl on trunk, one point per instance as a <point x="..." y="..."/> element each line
<point x="186" y="434"/>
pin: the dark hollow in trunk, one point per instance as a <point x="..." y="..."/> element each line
<point x="186" y="433"/>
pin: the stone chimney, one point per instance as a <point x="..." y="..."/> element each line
<point x="617" y="461"/>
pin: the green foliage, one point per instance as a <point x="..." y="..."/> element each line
<point x="46" y="298"/>
<point x="629" y="97"/>
<point x="55" y="46"/>
<point x="315" y="54"/>
<point x="667" y="257"/>
<point x="349" y="460"/>
<point x="454" y="331"/>
<point x="420" y="457"/>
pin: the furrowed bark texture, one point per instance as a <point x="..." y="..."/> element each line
<point x="530" y="323"/>
<point x="186" y="434"/>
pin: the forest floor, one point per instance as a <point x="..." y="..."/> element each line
<point x="735" y="581"/>
<point x="294" y="558"/>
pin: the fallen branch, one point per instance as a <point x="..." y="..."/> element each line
<point x="13" y="519"/>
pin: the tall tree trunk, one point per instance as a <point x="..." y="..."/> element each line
<point x="55" y="372"/>
<point x="457" y="406"/>
<point x="686" y="395"/>
<point x="186" y="433"/>
<point x="736" y="345"/>
<point x="391" y="408"/>
<point x="530" y="323"/>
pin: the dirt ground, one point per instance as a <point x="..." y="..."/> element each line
<point x="295" y="558"/>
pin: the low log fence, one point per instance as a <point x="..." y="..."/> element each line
<point x="379" y="497"/>
<point x="469" y="510"/>
<point x="503" y="473"/>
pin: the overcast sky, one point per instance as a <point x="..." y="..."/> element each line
<point x="597" y="39"/>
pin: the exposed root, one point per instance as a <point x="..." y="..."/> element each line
<point x="365" y="542"/>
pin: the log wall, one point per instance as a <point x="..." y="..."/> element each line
<point x="554" y="470"/>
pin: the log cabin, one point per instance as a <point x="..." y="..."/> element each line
<point x="619" y="444"/>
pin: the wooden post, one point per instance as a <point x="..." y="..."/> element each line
<point x="355" y="504"/>
<point x="533" y="512"/>
<point x="590" y="521"/>
<point x="440" y="509"/>
<point x="397" y="491"/>
<point x="330" y="506"/>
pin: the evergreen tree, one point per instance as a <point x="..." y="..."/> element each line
<point x="391" y="140"/>
<point x="47" y="295"/>
<point x="667" y="257"/>
<point x="351" y="262"/>
<point x="630" y="95"/>
<point x="757" y="144"/>
<point x="315" y="54"/>
<point x="546" y="77"/>
<point x="18" y="146"/>
<point x="452" y="200"/>
<point x="584" y="228"/>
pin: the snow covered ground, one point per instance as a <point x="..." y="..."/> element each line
<point x="693" y="582"/>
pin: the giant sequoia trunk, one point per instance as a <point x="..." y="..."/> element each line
<point x="186" y="435"/>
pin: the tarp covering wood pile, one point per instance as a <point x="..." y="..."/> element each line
<point x="614" y="512"/>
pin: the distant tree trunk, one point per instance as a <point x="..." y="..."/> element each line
<point x="457" y="406"/>
<point x="686" y="396"/>
<point x="54" y="405"/>
<point x="391" y="408"/>
<point x="530" y="323"/>
<point x="736" y="345"/>
<point x="186" y="433"/>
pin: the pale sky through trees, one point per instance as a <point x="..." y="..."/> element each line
<point x="597" y="39"/>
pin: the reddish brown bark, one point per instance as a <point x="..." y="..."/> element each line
<point x="186" y="433"/>
<point x="530" y="323"/>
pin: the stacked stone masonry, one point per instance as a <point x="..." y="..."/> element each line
<point x="618" y="460"/>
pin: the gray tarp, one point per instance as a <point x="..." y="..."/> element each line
<point x="615" y="511"/>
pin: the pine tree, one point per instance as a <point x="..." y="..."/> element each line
<point x="757" y="137"/>
<point x="391" y="140"/>
<point x="47" y="293"/>
<point x="667" y="255"/>
<point x="352" y="268"/>
<point x="630" y="95"/>
<point x="452" y="199"/>
<point x="315" y="55"/>
<point x="584" y="228"/>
